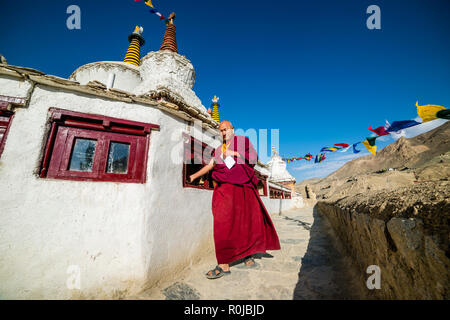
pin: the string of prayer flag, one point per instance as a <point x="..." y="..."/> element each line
<point x="426" y="113"/>
<point x="153" y="9"/>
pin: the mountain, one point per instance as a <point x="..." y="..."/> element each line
<point x="410" y="153"/>
<point x="402" y="163"/>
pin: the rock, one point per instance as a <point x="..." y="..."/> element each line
<point x="180" y="291"/>
<point x="406" y="234"/>
<point x="96" y="84"/>
<point x="309" y="193"/>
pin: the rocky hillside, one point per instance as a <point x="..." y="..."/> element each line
<point x="402" y="163"/>
<point x="392" y="210"/>
<point x="411" y="153"/>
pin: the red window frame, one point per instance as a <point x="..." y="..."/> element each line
<point x="276" y="193"/>
<point x="4" y="125"/>
<point x="67" y="126"/>
<point x="191" y="150"/>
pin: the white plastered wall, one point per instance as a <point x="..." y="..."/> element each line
<point x="13" y="87"/>
<point x="120" y="236"/>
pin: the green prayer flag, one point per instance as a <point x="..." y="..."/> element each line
<point x="371" y="140"/>
<point x="444" y="114"/>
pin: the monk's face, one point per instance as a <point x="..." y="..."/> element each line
<point x="227" y="130"/>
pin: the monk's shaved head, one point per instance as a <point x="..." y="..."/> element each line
<point x="226" y="129"/>
<point x="225" y="123"/>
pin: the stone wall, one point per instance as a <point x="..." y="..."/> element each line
<point x="410" y="248"/>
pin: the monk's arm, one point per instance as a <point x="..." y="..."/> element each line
<point x="247" y="154"/>
<point x="202" y="171"/>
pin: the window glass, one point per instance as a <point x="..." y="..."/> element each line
<point x="82" y="157"/>
<point x="118" y="157"/>
<point x="196" y="156"/>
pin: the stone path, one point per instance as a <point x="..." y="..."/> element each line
<point x="308" y="266"/>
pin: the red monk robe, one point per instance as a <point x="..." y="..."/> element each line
<point x="242" y="225"/>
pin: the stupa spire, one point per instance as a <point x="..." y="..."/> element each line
<point x="215" y="111"/>
<point x="170" y="37"/>
<point x="136" y="40"/>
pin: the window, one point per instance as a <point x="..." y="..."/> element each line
<point x="96" y="148"/>
<point x="5" y="121"/>
<point x="196" y="156"/>
<point x="276" y="193"/>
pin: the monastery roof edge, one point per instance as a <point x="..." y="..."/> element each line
<point x="177" y="107"/>
<point x="112" y="64"/>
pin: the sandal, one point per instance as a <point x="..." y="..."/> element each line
<point x="248" y="259"/>
<point x="215" y="275"/>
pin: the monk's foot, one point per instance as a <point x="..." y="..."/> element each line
<point x="218" y="272"/>
<point x="225" y="267"/>
<point x="250" y="262"/>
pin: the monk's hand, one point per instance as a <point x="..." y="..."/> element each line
<point x="231" y="153"/>
<point x="191" y="178"/>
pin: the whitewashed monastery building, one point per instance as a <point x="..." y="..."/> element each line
<point x="94" y="200"/>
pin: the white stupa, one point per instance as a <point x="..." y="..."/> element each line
<point x="278" y="171"/>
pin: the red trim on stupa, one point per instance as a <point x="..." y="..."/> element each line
<point x="170" y="39"/>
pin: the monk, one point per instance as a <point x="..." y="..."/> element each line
<point x="242" y="225"/>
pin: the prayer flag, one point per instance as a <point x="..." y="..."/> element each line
<point x="388" y="125"/>
<point x="428" y="112"/>
<point x="322" y="157"/>
<point x="149" y="3"/>
<point x="343" y="145"/>
<point x="370" y="147"/>
<point x="330" y="149"/>
<point x="161" y="17"/>
<point x="381" y="131"/>
<point x="443" y="114"/>
<point x="354" y="148"/>
<point x="371" y="140"/>
<point x="399" y="125"/>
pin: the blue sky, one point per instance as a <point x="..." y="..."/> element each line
<point x="311" y="69"/>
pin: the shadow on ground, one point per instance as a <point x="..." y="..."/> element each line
<point x="326" y="272"/>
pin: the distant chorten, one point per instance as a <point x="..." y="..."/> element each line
<point x="278" y="171"/>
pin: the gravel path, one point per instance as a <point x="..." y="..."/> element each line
<point x="308" y="266"/>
